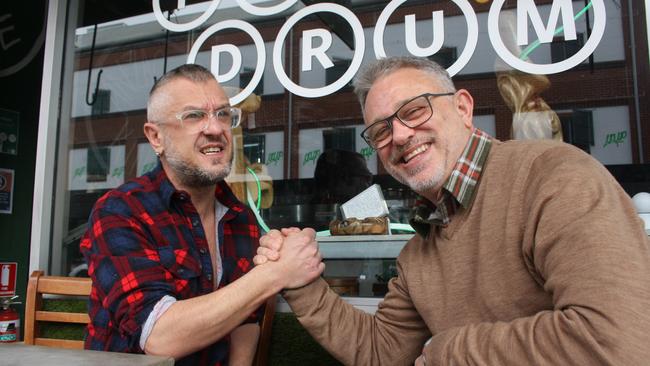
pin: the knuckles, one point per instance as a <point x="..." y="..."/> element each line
<point x="259" y="259"/>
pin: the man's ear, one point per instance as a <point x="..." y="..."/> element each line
<point x="155" y="136"/>
<point x="465" y="106"/>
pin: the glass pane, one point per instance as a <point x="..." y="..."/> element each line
<point x="293" y="128"/>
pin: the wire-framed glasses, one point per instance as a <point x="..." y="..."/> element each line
<point x="197" y="120"/>
<point x="411" y="114"/>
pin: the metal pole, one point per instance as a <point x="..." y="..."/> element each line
<point x="290" y="108"/>
<point x="635" y="81"/>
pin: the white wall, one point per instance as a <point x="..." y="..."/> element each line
<point x="612" y="137"/>
<point x="77" y="174"/>
<point x="274" y="154"/>
<point x="147" y="159"/>
<point x="486" y="123"/>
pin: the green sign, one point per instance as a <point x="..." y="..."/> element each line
<point x="274" y="157"/>
<point x="9" y="131"/>
<point x="118" y="172"/>
<point x="615" y="138"/>
<point x="367" y="152"/>
<point x="311" y="156"/>
<point x="79" y="172"/>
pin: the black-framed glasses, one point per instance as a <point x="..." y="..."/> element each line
<point x="197" y="120"/>
<point x="411" y="114"/>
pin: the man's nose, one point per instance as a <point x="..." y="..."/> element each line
<point x="214" y="125"/>
<point x="401" y="132"/>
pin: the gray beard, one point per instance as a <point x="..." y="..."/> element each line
<point x="192" y="176"/>
<point x="419" y="186"/>
<point x="430" y="183"/>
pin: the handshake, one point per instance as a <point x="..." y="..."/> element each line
<point x="293" y="253"/>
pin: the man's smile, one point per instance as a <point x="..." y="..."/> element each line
<point x="413" y="153"/>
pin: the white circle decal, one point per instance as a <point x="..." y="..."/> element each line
<point x="265" y="11"/>
<point x="354" y="65"/>
<point x="177" y="27"/>
<point x="514" y="61"/>
<point x="259" y="46"/>
<point x="470" y="43"/>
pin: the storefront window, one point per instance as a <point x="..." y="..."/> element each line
<point x="575" y="71"/>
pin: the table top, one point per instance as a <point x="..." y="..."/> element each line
<point x="15" y="354"/>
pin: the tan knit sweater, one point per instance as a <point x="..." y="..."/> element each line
<point x="550" y="266"/>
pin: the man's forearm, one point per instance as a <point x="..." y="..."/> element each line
<point x="394" y="336"/>
<point x="243" y="344"/>
<point x="193" y="324"/>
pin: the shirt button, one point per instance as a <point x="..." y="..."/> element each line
<point x="209" y="276"/>
<point x="202" y="250"/>
<point x="181" y="271"/>
<point x="195" y="222"/>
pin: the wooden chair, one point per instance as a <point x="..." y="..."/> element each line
<point x="66" y="286"/>
<point x="266" y="328"/>
<point x="77" y="286"/>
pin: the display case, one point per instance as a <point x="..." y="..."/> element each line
<point x="358" y="267"/>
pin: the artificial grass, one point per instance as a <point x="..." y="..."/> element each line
<point x="292" y="345"/>
<point x="64" y="330"/>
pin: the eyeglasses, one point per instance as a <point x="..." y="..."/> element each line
<point x="198" y="120"/>
<point x="411" y="114"/>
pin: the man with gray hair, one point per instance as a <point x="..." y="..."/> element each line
<point x="170" y="253"/>
<point x="526" y="252"/>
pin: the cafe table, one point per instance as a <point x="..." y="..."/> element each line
<point x="19" y="354"/>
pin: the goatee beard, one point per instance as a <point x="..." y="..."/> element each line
<point x="192" y="176"/>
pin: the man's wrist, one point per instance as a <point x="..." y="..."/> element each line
<point x="271" y="276"/>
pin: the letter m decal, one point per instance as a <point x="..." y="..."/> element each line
<point x="526" y="9"/>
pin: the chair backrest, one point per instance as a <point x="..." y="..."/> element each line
<point x="266" y="328"/>
<point x="77" y="286"/>
<point x="34" y="314"/>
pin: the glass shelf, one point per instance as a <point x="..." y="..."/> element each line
<point x="362" y="246"/>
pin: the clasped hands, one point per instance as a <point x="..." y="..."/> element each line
<point x="295" y="254"/>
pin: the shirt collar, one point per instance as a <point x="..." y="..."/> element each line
<point x="459" y="188"/>
<point x="222" y="192"/>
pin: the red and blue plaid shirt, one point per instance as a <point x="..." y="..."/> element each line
<point x="144" y="241"/>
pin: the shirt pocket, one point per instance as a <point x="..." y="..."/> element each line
<point x="184" y="268"/>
